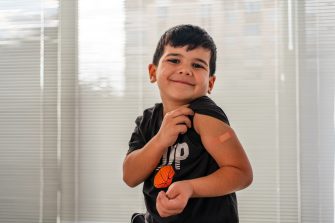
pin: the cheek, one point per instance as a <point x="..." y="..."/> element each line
<point x="161" y="76"/>
<point x="203" y="80"/>
<point x="161" y="71"/>
<point x="165" y="72"/>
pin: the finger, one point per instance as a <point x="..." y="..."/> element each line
<point x="161" y="195"/>
<point x="164" y="200"/>
<point x="165" y="213"/>
<point x="171" y="193"/>
<point x="182" y="129"/>
<point x="182" y="111"/>
<point x="174" y="196"/>
<point x="183" y="120"/>
<point x="173" y="206"/>
<point x="186" y="111"/>
<point x="161" y="205"/>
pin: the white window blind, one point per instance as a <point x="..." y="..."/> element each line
<point x="28" y="117"/>
<point x="37" y="113"/>
<point x="73" y="78"/>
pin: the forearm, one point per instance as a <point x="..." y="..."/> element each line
<point x="139" y="164"/>
<point x="225" y="180"/>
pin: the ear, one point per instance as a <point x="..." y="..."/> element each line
<point x="211" y="82"/>
<point x="152" y="73"/>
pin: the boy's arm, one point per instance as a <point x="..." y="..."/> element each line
<point x="139" y="164"/>
<point x="221" y="142"/>
<point x="234" y="174"/>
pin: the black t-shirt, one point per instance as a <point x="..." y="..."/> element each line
<point x="190" y="160"/>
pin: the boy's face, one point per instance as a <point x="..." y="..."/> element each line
<point x="182" y="75"/>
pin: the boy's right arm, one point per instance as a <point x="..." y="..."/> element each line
<point x="139" y="164"/>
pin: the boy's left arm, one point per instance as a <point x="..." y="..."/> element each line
<point x="235" y="172"/>
<point x="221" y="142"/>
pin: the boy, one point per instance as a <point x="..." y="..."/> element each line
<point x="183" y="149"/>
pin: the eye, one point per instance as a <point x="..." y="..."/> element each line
<point x="176" y="61"/>
<point x="197" y="65"/>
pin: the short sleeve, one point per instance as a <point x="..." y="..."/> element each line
<point x="137" y="139"/>
<point x="206" y="106"/>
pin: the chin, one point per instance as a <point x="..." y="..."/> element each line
<point x="182" y="98"/>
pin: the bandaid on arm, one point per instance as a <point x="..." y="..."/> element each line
<point x="225" y="136"/>
<point x="219" y="140"/>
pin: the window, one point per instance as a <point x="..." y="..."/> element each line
<point x="73" y="78"/>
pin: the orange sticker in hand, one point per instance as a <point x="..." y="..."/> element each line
<point x="164" y="177"/>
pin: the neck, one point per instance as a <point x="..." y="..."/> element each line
<point x="170" y="106"/>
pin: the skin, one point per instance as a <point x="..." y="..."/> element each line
<point x="183" y="76"/>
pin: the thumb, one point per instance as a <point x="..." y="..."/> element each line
<point x="161" y="195"/>
<point x="172" y="192"/>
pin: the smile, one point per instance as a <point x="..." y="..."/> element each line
<point x="183" y="82"/>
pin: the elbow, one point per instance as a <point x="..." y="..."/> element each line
<point x="249" y="177"/>
<point x="128" y="178"/>
<point x="249" y="180"/>
<point x="128" y="181"/>
<point x="245" y="178"/>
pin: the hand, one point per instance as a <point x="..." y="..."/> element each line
<point x="175" y="199"/>
<point x="174" y="123"/>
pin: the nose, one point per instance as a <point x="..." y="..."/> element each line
<point x="185" y="71"/>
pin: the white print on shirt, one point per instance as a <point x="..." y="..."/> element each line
<point x="176" y="153"/>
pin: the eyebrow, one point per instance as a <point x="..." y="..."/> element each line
<point x="179" y="55"/>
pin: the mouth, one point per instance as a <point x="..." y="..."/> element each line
<point x="183" y="82"/>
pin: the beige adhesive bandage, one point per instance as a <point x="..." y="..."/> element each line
<point x="225" y="137"/>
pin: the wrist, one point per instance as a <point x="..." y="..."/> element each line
<point x="191" y="187"/>
<point x="158" y="142"/>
